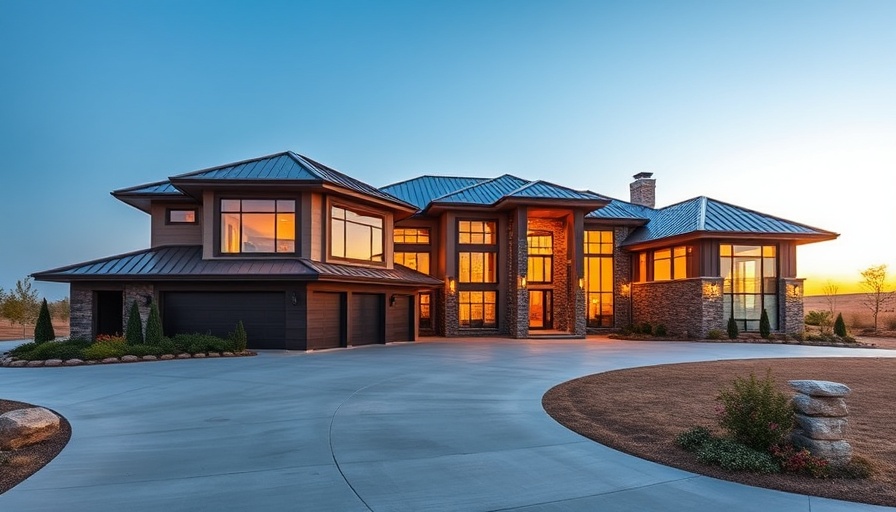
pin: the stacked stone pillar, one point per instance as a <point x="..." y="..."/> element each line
<point x="821" y="419"/>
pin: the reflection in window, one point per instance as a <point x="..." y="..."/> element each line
<point x="477" y="267"/>
<point x="258" y="226"/>
<point x="599" y="278"/>
<point x="426" y="311"/>
<point x="355" y="236"/>
<point x="541" y="258"/>
<point x="418" y="261"/>
<point x="671" y="263"/>
<point x="411" y="236"/>
<point x="750" y="274"/>
<point x="182" y="216"/>
<point x="476" y="232"/>
<point x="477" y="309"/>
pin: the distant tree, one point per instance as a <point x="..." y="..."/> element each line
<point x="133" y="335"/>
<point x="765" y="327"/>
<point x="43" y="330"/>
<point x="154" y="326"/>
<point x="840" y="326"/>
<point x="21" y="306"/>
<point x="874" y="281"/>
<point x="830" y="291"/>
<point x="732" y="328"/>
<point x="60" y="309"/>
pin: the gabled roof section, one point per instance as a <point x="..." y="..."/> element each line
<point x="702" y="216"/>
<point x="622" y="210"/>
<point x="545" y="190"/>
<point x="422" y="190"/>
<point x="180" y="263"/>
<point x="485" y="193"/>
<point x="141" y="196"/>
<point x="287" y="168"/>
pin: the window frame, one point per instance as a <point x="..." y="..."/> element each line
<point x="417" y="254"/>
<point x="219" y="215"/>
<point x="409" y="239"/>
<point x="603" y="253"/>
<point x="362" y="212"/>
<point x="768" y="293"/>
<point x="461" y="303"/>
<point x="170" y="222"/>
<point x="546" y="259"/>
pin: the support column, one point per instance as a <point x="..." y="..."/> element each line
<point x="790" y="305"/>
<point x="518" y="249"/>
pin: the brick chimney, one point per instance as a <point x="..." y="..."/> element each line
<point x="643" y="189"/>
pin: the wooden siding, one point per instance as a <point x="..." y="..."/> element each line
<point x="366" y="326"/>
<point x="399" y="318"/>
<point x="326" y="320"/>
<point x="162" y="233"/>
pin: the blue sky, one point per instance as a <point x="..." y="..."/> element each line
<point x="783" y="107"/>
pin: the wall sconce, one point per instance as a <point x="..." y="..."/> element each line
<point x="293" y="298"/>
<point x="581" y="283"/>
<point x="625" y="290"/>
<point x="523" y="281"/>
<point x="391" y="301"/>
<point x="794" y="291"/>
<point x="452" y="285"/>
<point x="148" y="300"/>
<point x="711" y="290"/>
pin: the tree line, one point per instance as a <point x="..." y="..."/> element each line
<point x="21" y="304"/>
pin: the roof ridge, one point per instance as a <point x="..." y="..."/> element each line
<point x="489" y="180"/>
<point x="231" y="164"/>
<point x="701" y="221"/>
<point x="402" y="182"/>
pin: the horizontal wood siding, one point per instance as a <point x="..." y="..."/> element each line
<point x="326" y="320"/>
<point x="174" y="234"/>
<point x="398" y="319"/>
<point x="366" y="319"/>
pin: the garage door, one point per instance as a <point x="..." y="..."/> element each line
<point x="325" y="320"/>
<point x="399" y="319"/>
<point x="263" y="315"/>
<point x="366" y="319"/>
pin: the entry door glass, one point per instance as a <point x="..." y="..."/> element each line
<point x="540" y="309"/>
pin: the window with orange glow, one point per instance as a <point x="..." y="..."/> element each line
<point x="178" y="216"/>
<point x="477" y="232"/>
<point x="476" y="267"/>
<point x="477" y="309"/>
<point x="411" y="236"/>
<point x="541" y="258"/>
<point x="355" y="235"/>
<point x="426" y="311"/>
<point x="599" y="278"/>
<point x="418" y="261"/>
<point x="671" y="263"/>
<point x="258" y="226"/>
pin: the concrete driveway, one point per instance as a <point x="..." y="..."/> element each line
<point x="435" y="425"/>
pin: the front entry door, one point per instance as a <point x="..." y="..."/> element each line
<point x="540" y="309"/>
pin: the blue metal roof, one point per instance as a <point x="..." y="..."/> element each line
<point x="422" y="190"/>
<point x="150" y="189"/>
<point x="485" y="193"/>
<point x="545" y="190"/>
<point x="617" y="209"/>
<point x="186" y="263"/>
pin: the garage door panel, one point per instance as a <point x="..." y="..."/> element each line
<point x="399" y="319"/>
<point x="325" y="320"/>
<point x="366" y="319"/>
<point x="263" y="315"/>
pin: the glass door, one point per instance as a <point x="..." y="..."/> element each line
<point x="540" y="309"/>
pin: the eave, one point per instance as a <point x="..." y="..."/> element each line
<point x="797" y="238"/>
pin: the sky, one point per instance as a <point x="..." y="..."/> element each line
<point x="785" y="107"/>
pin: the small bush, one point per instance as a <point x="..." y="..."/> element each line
<point x="858" y="468"/>
<point x="660" y="330"/>
<point x="144" y="350"/>
<point x="734" y="456"/>
<point x="793" y="460"/>
<point x="110" y="338"/>
<point x="43" y="330"/>
<point x="153" y="326"/>
<point x="840" y="326"/>
<point x="765" y="327"/>
<point x="239" y="338"/>
<point x="693" y="439"/>
<point x="715" y="334"/>
<point x="134" y="332"/>
<point x="23" y="349"/>
<point x="53" y="350"/>
<point x="818" y="318"/>
<point x="755" y="413"/>
<point x="102" y="350"/>
<point x="197" y="343"/>
<point x="732" y="328"/>
<point x="645" y="328"/>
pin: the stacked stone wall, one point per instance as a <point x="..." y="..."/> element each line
<point x="81" y="316"/>
<point x="685" y="307"/>
<point x="137" y="292"/>
<point x="790" y="297"/>
<point x="622" y="276"/>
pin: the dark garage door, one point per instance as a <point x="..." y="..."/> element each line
<point x="366" y="319"/>
<point x="325" y="320"/>
<point x="263" y="315"/>
<point x="399" y="318"/>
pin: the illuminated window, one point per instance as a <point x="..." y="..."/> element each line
<point x="418" y="261"/>
<point x="641" y="268"/>
<point x="671" y="263"/>
<point x="410" y="235"/>
<point x="477" y="267"/>
<point x="750" y="284"/>
<point x="258" y="226"/>
<point x="599" y="278"/>
<point x="426" y="311"/>
<point x="355" y="235"/>
<point x="477" y="309"/>
<point x="541" y="258"/>
<point x="479" y="232"/>
<point x="182" y="216"/>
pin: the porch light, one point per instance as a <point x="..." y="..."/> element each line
<point x="625" y="289"/>
<point x="581" y="283"/>
<point x="148" y="300"/>
<point x="523" y="281"/>
<point x="794" y="291"/>
<point x="452" y="285"/>
<point x="711" y="290"/>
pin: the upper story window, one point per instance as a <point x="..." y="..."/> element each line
<point x="258" y="226"/>
<point x="541" y="258"/>
<point x="671" y="263"/>
<point x="418" y="261"/>
<point x="355" y="235"/>
<point x="181" y="216"/>
<point x="419" y="236"/>
<point x="477" y="232"/>
<point x="477" y="267"/>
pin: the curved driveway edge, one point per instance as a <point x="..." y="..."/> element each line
<point x="437" y="425"/>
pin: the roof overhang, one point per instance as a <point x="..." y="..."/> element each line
<point x="797" y="238"/>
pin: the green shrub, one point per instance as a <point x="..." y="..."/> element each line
<point x="43" y="330"/>
<point x="734" y="456"/>
<point x="645" y="328"/>
<point x="765" y="327"/>
<point x="166" y="346"/>
<point x="102" y="350"/>
<point x="134" y="332"/>
<point x="858" y="468"/>
<point x="23" y="349"/>
<point x="52" y="350"/>
<point x="154" y="326"/>
<point x="197" y="343"/>
<point x="840" y="326"/>
<point x="144" y="350"/>
<point x="694" y="438"/>
<point x="732" y="329"/>
<point x="238" y="338"/>
<point x="660" y="330"/>
<point x="715" y="334"/>
<point x="818" y="318"/>
<point x="755" y="413"/>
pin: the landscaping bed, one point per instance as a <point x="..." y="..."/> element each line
<point x="17" y="465"/>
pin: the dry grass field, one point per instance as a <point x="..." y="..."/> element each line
<point x="10" y="331"/>
<point x="855" y="314"/>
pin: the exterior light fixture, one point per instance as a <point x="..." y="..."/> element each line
<point x="293" y="298"/>
<point x="452" y="285"/>
<point x="148" y="300"/>
<point x="523" y="281"/>
<point x="711" y="290"/>
<point x="625" y="289"/>
<point x="794" y="291"/>
<point x="391" y="301"/>
<point x="581" y="283"/>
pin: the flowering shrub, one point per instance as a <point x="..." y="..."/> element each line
<point x="793" y="460"/>
<point x="754" y="413"/>
<point x="110" y="338"/>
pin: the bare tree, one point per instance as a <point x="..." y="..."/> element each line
<point x="830" y="296"/>
<point x="874" y="281"/>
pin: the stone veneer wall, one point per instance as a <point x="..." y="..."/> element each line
<point x="686" y="307"/>
<point x="790" y="314"/>
<point x="517" y="310"/>
<point x="81" y="316"/>
<point x="622" y="274"/>
<point x="136" y="292"/>
<point x="450" y="320"/>
<point x="564" y="308"/>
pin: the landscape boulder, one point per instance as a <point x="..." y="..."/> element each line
<point x="24" y="427"/>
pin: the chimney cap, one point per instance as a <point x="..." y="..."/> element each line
<point x="642" y="175"/>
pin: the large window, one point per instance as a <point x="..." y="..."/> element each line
<point x="599" y="278"/>
<point x="476" y="232"/>
<point x="411" y="236"/>
<point x="750" y="274"/>
<point x="541" y="258"/>
<point x="671" y="263"/>
<point x="477" y="267"/>
<point x="258" y="226"/>
<point x="418" y="261"/>
<point x="477" y="309"/>
<point x="355" y="235"/>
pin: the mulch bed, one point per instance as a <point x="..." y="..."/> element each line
<point x="640" y="411"/>
<point x="24" y="462"/>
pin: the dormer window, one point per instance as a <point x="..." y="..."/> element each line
<point x="265" y="226"/>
